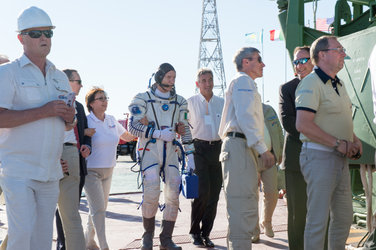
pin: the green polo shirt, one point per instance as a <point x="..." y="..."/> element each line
<point x="328" y="99"/>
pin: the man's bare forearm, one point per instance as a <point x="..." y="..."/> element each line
<point x="14" y="118"/>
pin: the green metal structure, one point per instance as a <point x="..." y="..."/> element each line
<point x="355" y="26"/>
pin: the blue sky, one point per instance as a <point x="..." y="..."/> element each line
<point x="118" y="44"/>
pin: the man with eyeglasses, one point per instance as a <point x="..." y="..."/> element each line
<point x="324" y="120"/>
<point x="295" y="183"/>
<point x="35" y="118"/>
<point x="77" y="145"/>
<point x="242" y="132"/>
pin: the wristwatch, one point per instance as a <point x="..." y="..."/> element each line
<point x="73" y="123"/>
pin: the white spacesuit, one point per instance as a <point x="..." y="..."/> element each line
<point x="158" y="151"/>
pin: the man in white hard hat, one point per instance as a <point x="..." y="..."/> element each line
<point x="35" y="115"/>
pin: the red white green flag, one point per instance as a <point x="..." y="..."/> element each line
<point x="276" y="35"/>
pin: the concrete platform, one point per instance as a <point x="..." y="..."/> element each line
<point x="124" y="225"/>
<point x="124" y="220"/>
<point x="219" y="232"/>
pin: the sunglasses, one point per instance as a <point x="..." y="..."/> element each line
<point x="38" y="33"/>
<point x="78" y="81"/>
<point x="301" y="61"/>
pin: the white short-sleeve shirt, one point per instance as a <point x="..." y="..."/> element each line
<point x="32" y="150"/>
<point x="104" y="141"/>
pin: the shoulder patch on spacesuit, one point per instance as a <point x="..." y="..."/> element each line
<point x="135" y="110"/>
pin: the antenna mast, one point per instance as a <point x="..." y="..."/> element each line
<point x="210" y="54"/>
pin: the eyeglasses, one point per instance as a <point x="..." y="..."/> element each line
<point x="301" y="61"/>
<point x="259" y="59"/>
<point x="103" y="99"/>
<point x="78" y="81"/>
<point x="340" y="50"/>
<point x="38" y="33"/>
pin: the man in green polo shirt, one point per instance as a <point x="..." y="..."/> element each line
<point x="324" y="119"/>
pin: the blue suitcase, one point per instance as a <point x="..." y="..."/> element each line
<point x="189" y="183"/>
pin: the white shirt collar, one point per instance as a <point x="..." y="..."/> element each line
<point x="94" y="118"/>
<point x="24" y="60"/>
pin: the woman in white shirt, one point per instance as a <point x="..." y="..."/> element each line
<point x="100" y="164"/>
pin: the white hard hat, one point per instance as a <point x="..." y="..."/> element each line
<point x="33" y="17"/>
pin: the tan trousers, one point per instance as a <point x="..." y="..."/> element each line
<point x="68" y="201"/>
<point x="97" y="189"/>
<point x="240" y="188"/>
<point x="269" y="181"/>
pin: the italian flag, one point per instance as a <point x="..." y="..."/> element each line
<point x="276" y="35"/>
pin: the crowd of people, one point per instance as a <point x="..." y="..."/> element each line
<point x="235" y="142"/>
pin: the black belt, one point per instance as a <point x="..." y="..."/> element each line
<point x="207" y="142"/>
<point x="70" y="144"/>
<point x="235" y="134"/>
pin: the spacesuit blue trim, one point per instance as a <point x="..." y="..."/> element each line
<point x="136" y="128"/>
<point x="152" y="165"/>
<point x="171" y="102"/>
<point x="147" y="133"/>
<point x="174" y="166"/>
<point x="162" y="207"/>
<point x="139" y="161"/>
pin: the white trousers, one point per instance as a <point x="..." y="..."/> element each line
<point x="97" y="190"/>
<point x="30" y="209"/>
<point x="151" y="164"/>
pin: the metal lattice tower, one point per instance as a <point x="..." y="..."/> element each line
<point x="210" y="54"/>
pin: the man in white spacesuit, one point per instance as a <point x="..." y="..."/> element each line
<point x="158" y="151"/>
